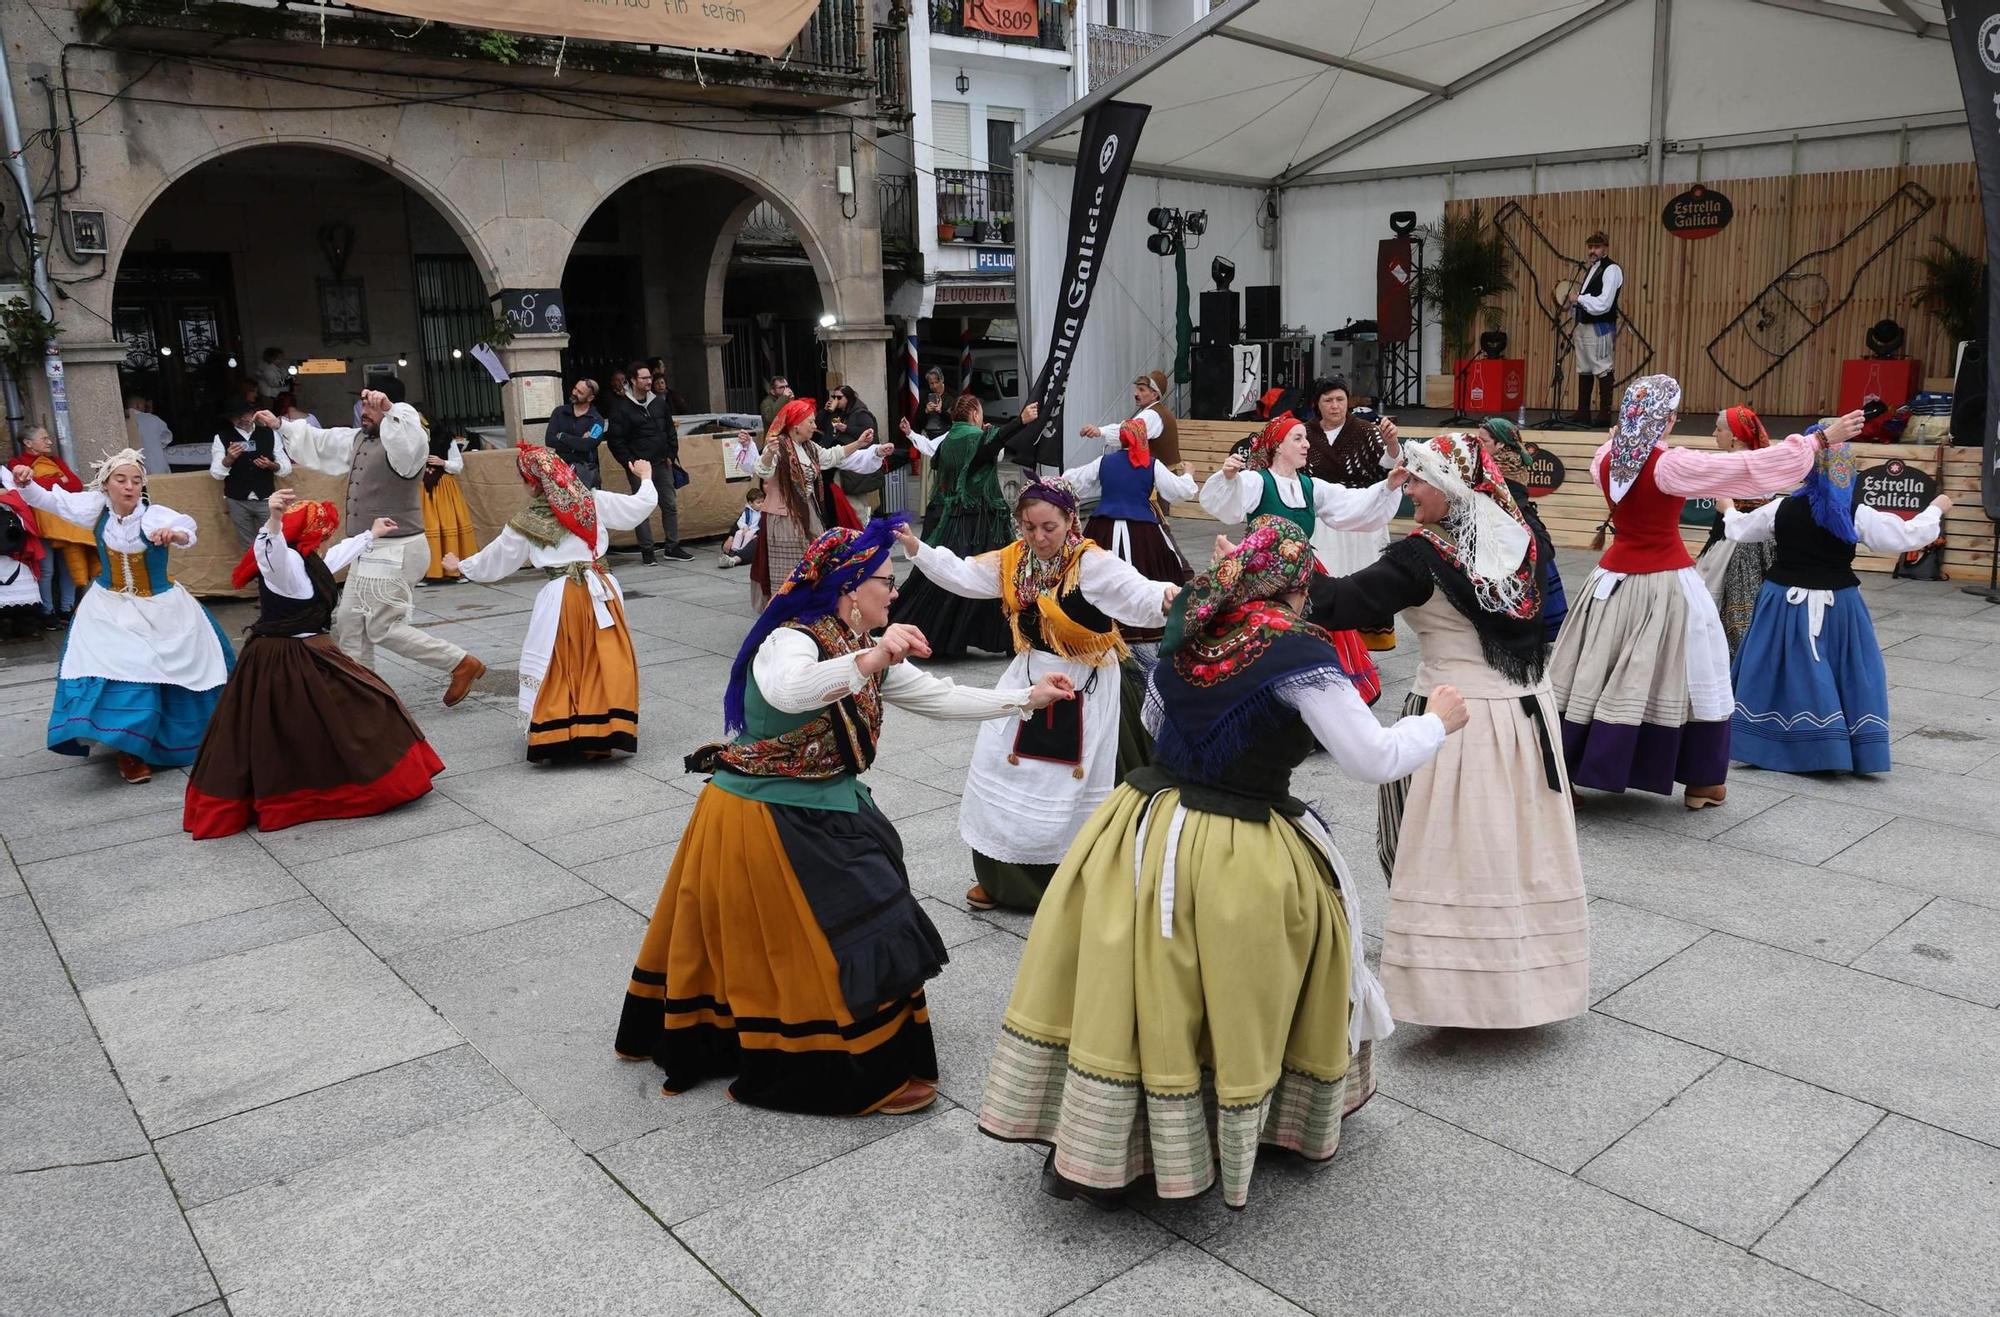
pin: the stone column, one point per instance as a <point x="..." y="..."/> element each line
<point x="96" y="399"/>
<point x="856" y="356"/>
<point x="697" y="371"/>
<point x="534" y="361"/>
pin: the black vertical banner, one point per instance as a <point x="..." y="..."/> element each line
<point x="1103" y="158"/>
<point x="1975" y="42"/>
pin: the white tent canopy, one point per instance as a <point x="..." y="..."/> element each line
<point x="1299" y="124"/>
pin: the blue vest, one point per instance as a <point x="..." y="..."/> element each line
<point x="157" y="580"/>
<point x="1125" y="490"/>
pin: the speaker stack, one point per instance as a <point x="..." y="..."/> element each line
<point x="1262" y="320"/>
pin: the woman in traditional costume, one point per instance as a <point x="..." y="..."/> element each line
<point x="303" y="732"/>
<point x="1030" y="787"/>
<point x="1641" y="670"/>
<point x="1811" y="693"/>
<point x="1502" y="442"/>
<point x="1733" y="571"/>
<point x="70" y="563"/>
<point x="1271" y="480"/>
<point x="968" y="516"/>
<point x="1354" y="452"/>
<point x="579" y="676"/>
<point x="787" y="948"/>
<point x="447" y="519"/>
<point x="1126" y="523"/>
<point x="143" y="665"/>
<point x="792" y="467"/>
<point x="1487" y="925"/>
<point x="1194" y="983"/>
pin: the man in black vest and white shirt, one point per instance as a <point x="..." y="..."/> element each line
<point x="249" y="461"/>
<point x="1595" y="302"/>
<point x="383" y="460"/>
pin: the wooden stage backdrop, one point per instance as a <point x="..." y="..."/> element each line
<point x="1573" y="511"/>
<point x="1680" y="293"/>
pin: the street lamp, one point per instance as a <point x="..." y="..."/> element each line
<point x="828" y="320"/>
<point x="963" y="83"/>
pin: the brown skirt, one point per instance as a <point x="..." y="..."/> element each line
<point x="589" y="699"/>
<point x="304" y="732"/>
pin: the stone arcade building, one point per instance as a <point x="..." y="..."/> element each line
<point x="355" y="187"/>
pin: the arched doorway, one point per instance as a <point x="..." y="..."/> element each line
<point x="341" y="266"/>
<point x="702" y="270"/>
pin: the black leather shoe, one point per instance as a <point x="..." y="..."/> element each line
<point x="677" y="553"/>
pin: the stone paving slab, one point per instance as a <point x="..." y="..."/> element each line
<point x="487" y="1214"/>
<point x="991" y="1241"/>
<point x="1803" y="830"/>
<point x="1626" y="942"/>
<point x="63" y="1106"/>
<point x="1734" y="1152"/>
<point x="190" y="944"/>
<point x="209" y="1040"/>
<point x="1948" y="947"/>
<point x="1927" y="857"/>
<point x="1182" y="1281"/>
<point x="1913" y="1052"/>
<point x="142" y="889"/>
<point x="42" y="1010"/>
<point x="1905" y="1221"/>
<point x="87" y="1241"/>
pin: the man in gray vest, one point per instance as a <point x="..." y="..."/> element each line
<point x="383" y="460"/>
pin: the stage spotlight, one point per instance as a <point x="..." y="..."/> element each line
<point x="1402" y="223"/>
<point x="1197" y="222"/>
<point x="1162" y="217"/>
<point x="1493" y="343"/>
<point x="1223" y="271"/>
<point x="1161" y="244"/>
<point x="1885" y="339"/>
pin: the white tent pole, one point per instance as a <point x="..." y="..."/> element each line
<point x="1663" y="25"/>
<point x="1867" y="18"/>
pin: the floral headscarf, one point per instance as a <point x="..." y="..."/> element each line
<point x="1650" y="404"/>
<point x="834" y="564"/>
<point x="1274" y="559"/>
<point x="1509" y="453"/>
<point x="1033" y="576"/>
<point x="558" y="501"/>
<point x="1267" y="441"/>
<point x="1745" y="425"/>
<point x="1829" y="491"/>
<point x="306" y="527"/>
<point x="1137" y="436"/>
<point x="1485" y="535"/>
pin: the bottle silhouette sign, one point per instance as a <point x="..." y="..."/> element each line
<point x="1699" y="212"/>
<point x="1792" y="307"/>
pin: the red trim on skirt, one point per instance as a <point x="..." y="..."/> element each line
<point x="209" y="816"/>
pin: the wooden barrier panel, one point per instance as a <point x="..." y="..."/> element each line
<point x="1573" y="511"/>
<point x="709" y="506"/>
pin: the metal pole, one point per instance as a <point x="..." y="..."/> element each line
<point x="10" y="133"/>
<point x="1663" y="18"/>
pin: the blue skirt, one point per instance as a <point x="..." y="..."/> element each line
<point x="1801" y="713"/>
<point x="161" y="724"/>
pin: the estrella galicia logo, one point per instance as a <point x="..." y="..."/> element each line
<point x="1989" y="43"/>
<point x="1109" y="153"/>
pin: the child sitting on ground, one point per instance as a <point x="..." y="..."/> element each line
<point x="742" y="541"/>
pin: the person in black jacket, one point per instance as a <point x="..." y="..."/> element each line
<point x="847" y="417"/>
<point x="643" y="430"/>
<point x="574" y="431"/>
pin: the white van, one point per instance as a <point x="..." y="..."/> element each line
<point x="995" y="379"/>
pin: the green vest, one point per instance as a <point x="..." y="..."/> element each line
<point x="844" y="793"/>
<point x="962" y="483"/>
<point x="1272" y="506"/>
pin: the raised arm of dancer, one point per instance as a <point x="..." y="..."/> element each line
<point x="974" y="578"/>
<point x="1116" y="587"/>
<point x="1232" y="495"/>
<point x="283" y="570"/>
<point x="328" y="451"/>
<point x="624" y="511"/>
<point x="794" y="679"/>
<point x="1757" y="526"/>
<point x="342" y="555"/>
<point x="504" y="554"/>
<point x="1887" y="533"/>
<point x="1341" y="508"/>
<point x="1171" y="485"/>
<point x="1365" y="749"/>
<point x="78" y="508"/>
<point x="1084" y="481"/>
<point x="1384" y="587"/>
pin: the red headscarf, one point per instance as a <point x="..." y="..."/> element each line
<point x="1743" y="423"/>
<point x="793" y="412"/>
<point x="550" y="479"/>
<point x="306" y="527"/>
<point x="1138" y="444"/>
<point x="1273" y="434"/>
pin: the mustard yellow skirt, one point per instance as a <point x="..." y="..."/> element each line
<point x="589" y="698"/>
<point x="448" y="526"/>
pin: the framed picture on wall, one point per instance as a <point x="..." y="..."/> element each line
<point x="343" y="311"/>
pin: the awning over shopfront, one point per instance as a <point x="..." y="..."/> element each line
<point x="761" y="27"/>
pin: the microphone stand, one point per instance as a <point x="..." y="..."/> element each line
<point x="1459" y="416"/>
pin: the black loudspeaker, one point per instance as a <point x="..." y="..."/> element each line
<point x="1968" y="397"/>
<point x="1214" y="371"/>
<point x="1260" y="312"/>
<point x="1220" y="318"/>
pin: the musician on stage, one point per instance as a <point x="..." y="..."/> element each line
<point x="1595" y="302"/>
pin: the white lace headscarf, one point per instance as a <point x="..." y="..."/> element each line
<point x="1487" y="534"/>
<point x="124" y="457"/>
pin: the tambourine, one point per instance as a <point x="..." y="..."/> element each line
<point x="1564" y="290"/>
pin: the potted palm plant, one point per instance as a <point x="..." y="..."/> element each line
<point x="1467" y="268"/>
<point x="1953" y="289"/>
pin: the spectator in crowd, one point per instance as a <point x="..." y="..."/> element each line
<point x="286" y="405"/>
<point x="849" y="418"/>
<point x="574" y="431"/>
<point x="249" y="460"/>
<point x="270" y="375"/>
<point x="147" y="432"/>
<point x="937" y="405"/>
<point x="642" y="431"/>
<point x="777" y="392"/>
<point x="69" y="563"/>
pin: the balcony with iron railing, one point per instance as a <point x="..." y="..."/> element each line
<point x="980" y="202"/>
<point x="766" y="228"/>
<point x="983" y="22"/>
<point x="827" y="64"/>
<point x="891" y="67"/>
<point x="1115" y="49"/>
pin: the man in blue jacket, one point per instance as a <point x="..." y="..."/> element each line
<point x="574" y="432"/>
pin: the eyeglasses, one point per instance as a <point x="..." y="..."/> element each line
<point x="888" y="579"/>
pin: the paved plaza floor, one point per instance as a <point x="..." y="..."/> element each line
<point x="365" y="1067"/>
